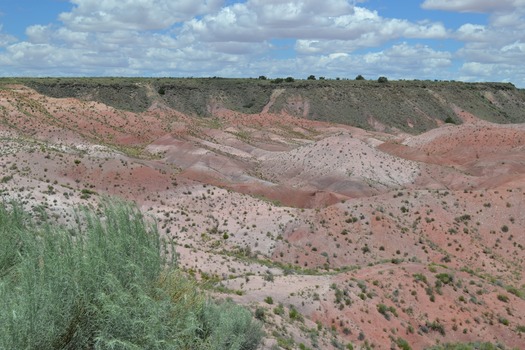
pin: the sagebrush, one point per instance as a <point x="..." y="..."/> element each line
<point x="106" y="284"/>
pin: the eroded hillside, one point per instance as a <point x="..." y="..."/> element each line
<point x="410" y="106"/>
<point x="334" y="234"/>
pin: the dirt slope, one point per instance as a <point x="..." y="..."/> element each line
<point x="335" y="234"/>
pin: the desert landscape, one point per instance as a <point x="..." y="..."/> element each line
<point x="343" y="214"/>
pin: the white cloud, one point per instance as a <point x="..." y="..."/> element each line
<point x="483" y="6"/>
<point x="39" y="34"/>
<point x="508" y="19"/>
<point x="476" y="71"/>
<point x="109" y="15"/>
<point x="293" y="13"/>
<point x="401" y="61"/>
<point x="517" y="48"/>
<point x="204" y="38"/>
<point x="492" y="51"/>
<point x="494" y="60"/>
<point x="103" y="36"/>
<point x="40" y="55"/>
<point x="306" y="20"/>
<point x="371" y="33"/>
<point x="5" y="39"/>
<point x="473" y="32"/>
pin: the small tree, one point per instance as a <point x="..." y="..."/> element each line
<point x="311" y="77"/>
<point x="359" y="77"/>
<point x="289" y="80"/>
<point x="382" y="80"/>
<point x="262" y="77"/>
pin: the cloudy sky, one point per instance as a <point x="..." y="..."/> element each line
<point x="470" y="40"/>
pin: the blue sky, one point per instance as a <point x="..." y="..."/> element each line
<point x="469" y="40"/>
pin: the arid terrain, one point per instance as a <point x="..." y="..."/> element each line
<point x="340" y="213"/>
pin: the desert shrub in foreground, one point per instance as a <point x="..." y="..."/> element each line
<point x="105" y="285"/>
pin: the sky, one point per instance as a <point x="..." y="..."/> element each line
<point x="463" y="40"/>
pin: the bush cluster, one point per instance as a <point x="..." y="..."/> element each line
<point x="105" y="285"/>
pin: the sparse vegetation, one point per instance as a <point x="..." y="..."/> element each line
<point x="386" y="311"/>
<point x="445" y="278"/>
<point x="190" y="96"/>
<point x="6" y="179"/>
<point x="503" y="298"/>
<point x="403" y="344"/>
<point x="467" y="346"/>
<point x="410" y="236"/>
<point x="436" y="326"/>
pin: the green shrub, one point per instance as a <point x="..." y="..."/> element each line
<point x="403" y="344"/>
<point x="279" y="309"/>
<point x="227" y="326"/>
<point x="436" y="326"/>
<point x="295" y="315"/>
<point x="383" y="310"/>
<point x="445" y="278"/>
<point x="6" y="179"/>
<point x="515" y="291"/>
<point x="105" y="285"/>
<point x="503" y="321"/>
<point x="466" y="346"/>
<point x="503" y="298"/>
<point x="420" y="277"/>
<point x="260" y="313"/>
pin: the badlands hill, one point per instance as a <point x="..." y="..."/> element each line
<point x="411" y="106"/>
<point x="341" y="212"/>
